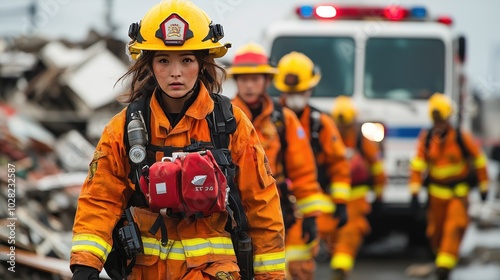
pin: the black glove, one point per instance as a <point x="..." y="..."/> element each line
<point x="414" y="204"/>
<point x="340" y="214"/>
<point x="484" y="196"/>
<point x="309" y="229"/>
<point x="377" y="206"/>
<point x="82" y="272"/>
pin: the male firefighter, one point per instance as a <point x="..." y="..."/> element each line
<point x="449" y="162"/>
<point x="296" y="79"/>
<point x="367" y="173"/>
<point x="289" y="153"/>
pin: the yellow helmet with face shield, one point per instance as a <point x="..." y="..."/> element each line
<point x="176" y="25"/>
<point x="296" y="73"/>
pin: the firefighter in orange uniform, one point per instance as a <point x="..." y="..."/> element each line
<point x="177" y="71"/>
<point x="288" y="151"/>
<point x="453" y="163"/>
<point x="367" y="173"/>
<point x="297" y="76"/>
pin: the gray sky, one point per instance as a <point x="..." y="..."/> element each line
<point x="244" y="20"/>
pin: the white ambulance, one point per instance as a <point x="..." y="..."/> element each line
<point x="389" y="60"/>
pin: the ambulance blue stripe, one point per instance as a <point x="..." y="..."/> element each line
<point x="403" y="132"/>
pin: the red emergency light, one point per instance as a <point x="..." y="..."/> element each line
<point x="393" y="12"/>
<point x="445" y="20"/>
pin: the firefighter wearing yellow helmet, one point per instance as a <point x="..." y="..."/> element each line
<point x="297" y="76"/>
<point x="367" y="174"/>
<point x="168" y="227"/>
<point x="287" y="148"/>
<point x="453" y="163"/>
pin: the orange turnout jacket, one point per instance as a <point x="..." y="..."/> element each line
<point x="196" y="247"/>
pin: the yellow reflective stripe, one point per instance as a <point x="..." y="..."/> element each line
<point x="342" y="261"/>
<point x="414" y="188"/>
<point x="173" y="250"/>
<point x="461" y="189"/>
<point x="309" y="204"/>
<point x="418" y="164"/>
<point x="340" y="190"/>
<point x="483" y="186"/>
<point x="378" y="189"/>
<point x="442" y="192"/>
<point x="377" y="168"/>
<point x="91" y="243"/>
<point x="197" y="247"/>
<point x="445" y="192"/>
<point x="446" y="260"/>
<point x="325" y="204"/>
<point x="442" y="172"/>
<point x="269" y="262"/>
<point x="480" y="161"/>
<point x="300" y="252"/>
<point x="359" y="192"/>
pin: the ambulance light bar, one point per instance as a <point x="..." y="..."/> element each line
<point x="392" y="12"/>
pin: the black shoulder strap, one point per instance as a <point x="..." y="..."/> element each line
<point x="427" y="142"/>
<point x="359" y="143"/>
<point x="461" y="144"/>
<point x="315" y="128"/>
<point x="141" y="105"/>
<point x="222" y="124"/>
<point x="278" y="119"/>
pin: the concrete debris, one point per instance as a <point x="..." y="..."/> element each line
<point x="55" y="99"/>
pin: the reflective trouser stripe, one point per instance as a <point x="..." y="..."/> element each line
<point x="342" y="261"/>
<point x="269" y="262"/>
<point x="359" y="191"/>
<point x="309" y="204"/>
<point x="204" y="246"/>
<point x="445" y="192"/>
<point x="446" y="260"/>
<point x="173" y="250"/>
<point x="300" y="252"/>
<point x="91" y="243"/>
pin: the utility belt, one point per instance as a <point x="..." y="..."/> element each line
<point x="448" y="190"/>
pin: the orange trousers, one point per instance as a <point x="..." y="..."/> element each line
<point x="299" y="255"/>
<point x="346" y="241"/>
<point x="447" y="221"/>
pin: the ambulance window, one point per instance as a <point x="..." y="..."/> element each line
<point x="404" y="68"/>
<point x="334" y="55"/>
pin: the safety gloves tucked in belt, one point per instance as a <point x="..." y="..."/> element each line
<point x="82" y="272"/>
<point x="340" y="214"/>
<point x="309" y="229"/>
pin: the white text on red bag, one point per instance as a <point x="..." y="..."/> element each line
<point x="191" y="183"/>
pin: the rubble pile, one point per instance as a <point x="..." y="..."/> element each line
<point x="55" y="98"/>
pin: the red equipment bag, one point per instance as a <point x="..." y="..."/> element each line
<point x="187" y="182"/>
<point x="360" y="170"/>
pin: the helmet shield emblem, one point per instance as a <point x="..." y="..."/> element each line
<point x="174" y="31"/>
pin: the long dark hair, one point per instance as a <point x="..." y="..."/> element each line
<point x="143" y="81"/>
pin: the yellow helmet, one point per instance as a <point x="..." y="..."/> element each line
<point x="442" y="104"/>
<point x="175" y="25"/>
<point x="344" y="112"/>
<point x="251" y="59"/>
<point x="296" y="73"/>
